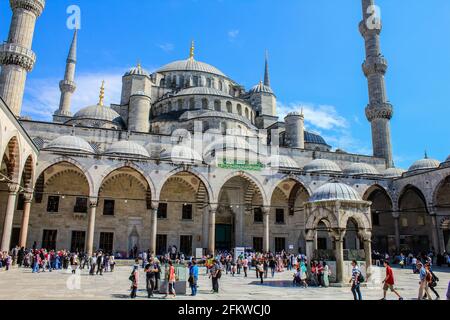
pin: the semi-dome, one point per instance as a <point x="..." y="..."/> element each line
<point x="202" y="91"/>
<point x="126" y="148"/>
<point x="335" y="191"/>
<point x="261" y="88"/>
<point x="424" y="164"/>
<point x="138" y="71"/>
<point x="322" y="165"/>
<point x="282" y="161"/>
<point x="360" y="169"/>
<point x="98" y="112"/>
<point x="182" y="154"/>
<point x="190" y="65"/>
<point x="393" y="173"/>
<point x="70" y="144"/>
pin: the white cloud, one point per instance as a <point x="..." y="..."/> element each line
<point x="42" y="95"/>
<point x="233" y="34"/>
<point x="166" y="47"/>
<point x="326" y="121"/>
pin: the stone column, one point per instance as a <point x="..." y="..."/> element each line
<point x="9" y="216"/>
<point x="434" y="233"/>
<point x="396" y="216"/>
<point x="339" y="254"/>
<point x="266" y="215"/>
<point x="154" y="227"/>
<point x="212" y="230"/>
<point x="309" y="249"/>
<point x="91" y="227"/>
<point x="25" y="220"/>
<point x="368" y="253"/>
<point x="205" y="227"/>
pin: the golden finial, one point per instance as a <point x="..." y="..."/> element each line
<point x="191" y="52"/>
<point x="102" y="94"/>
<point x="139" y="63"/>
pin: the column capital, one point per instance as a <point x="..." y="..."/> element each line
<point x="28" y="197"/>
<point x="13" y="187"/>
<point x="338" y="234"/>
<point x="396" y="214"/>
<point x="265" y="210"/>
<point x="93" y="202"/>
<point x="213" y="207"/>
<point x="154" y="205"/>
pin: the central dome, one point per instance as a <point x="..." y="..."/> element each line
<point x="190" y="65"/>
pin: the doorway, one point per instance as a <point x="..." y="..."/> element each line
<point x="223" y="237"/>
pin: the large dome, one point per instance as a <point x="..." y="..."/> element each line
<point x="322" y="165"/>
<point x="360" y="169"/>
<point x="190" y="65"/>
<point x="69" y="144"/>
<point x="335" y="191"/>
<point x="424" y="164"/>
<point x="126" y="148"/>
<point x="98" y="112"/>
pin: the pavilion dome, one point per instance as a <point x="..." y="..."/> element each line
<point x="335" y="191"/>
<point x="126" y="148"/>
<point x="424" y="164"/>
<point x="393" y="173"/>
<point x="360" y="169"/>
<point x="70" y="144"/>
<point x="322" y="165"/>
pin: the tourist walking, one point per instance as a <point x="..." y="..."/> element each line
<point x="423" y="283"/>
<point x="388" y="282"/>
<point x="193" y="277"/>
<point x="150" y="271"/>
<point x="356" y="281"/>
<point x="214" y="274"/>
<point x="260" y="271"/>
<point x="432" y="280"/>
<point x="170" y="277"/>
<point x="134" y="278"/>
<point x="326" y="275"/>
<point x="245" y="266"/>
<point x="100" y="261"/>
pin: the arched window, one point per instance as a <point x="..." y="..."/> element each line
<point x="239" y="109"/>
<point x="229" y="107"/>
<point x="217" y="105"/>
<point x="209" y="82"/>
<point x="204" y="103"/>
<point x="195" y="81"/>
<point x="182" y="81"/>
<point x="169" y="106"/>
<point x="162" y="83"/>
<point x="246" y="113"/>
<point x="192" y="103"/>
<point x="180" y="104"/>
<point x="223" y="127"/>
<point x="220" y="85"/>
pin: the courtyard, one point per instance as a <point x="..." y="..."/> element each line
<point x="22" y="284"/>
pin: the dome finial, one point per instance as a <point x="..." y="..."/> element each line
<point x="426" y="154"/>
<point x="139" y="64"/>
<point x="102" y="94"/>
<point x="191" y="52"/>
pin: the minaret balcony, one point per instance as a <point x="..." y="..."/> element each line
<point x="67" y="86"/>
<point x="35" y="6"/>
<point x="368" y="32"/>
<point x="382" y="110"/>
<point x="11" y="53"/>
<point x="375" y="65"/>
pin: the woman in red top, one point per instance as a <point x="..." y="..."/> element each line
<point x="171" y="280"/>
<point x="389" y="281"/>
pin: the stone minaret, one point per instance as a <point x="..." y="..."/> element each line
<point x="16" y="56"/>
<point x="67" y="86"/>
<point x="379" y="111"/>
<point x="266" y="71"/>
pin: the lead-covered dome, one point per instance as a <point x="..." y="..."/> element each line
<point x="322" y="165"/>
<point x="424" y="164"/>
<point x="138" y="71"/>
<point x="261" y="88"/>
<point x="190" y="65"/>
<point x="98" y="112"/>
<point x="126" y="148"/>
<point x="69" y="144"/>
<point x="335" y="191"/>
<point x="393" y="173"/>
<point x="361" y="169"/>
<point x="182" y="154"/>
<point x="281" y="161"/>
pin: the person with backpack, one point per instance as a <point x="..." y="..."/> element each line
<point x="150" y="271"/>
<point x="214" y="274"/>
<point x="432" y="280"/>
<point x="134" y="277"/>
<point x="423" y="283"/>
<point x="356" y="280"/>
<point x="388" y="282"/>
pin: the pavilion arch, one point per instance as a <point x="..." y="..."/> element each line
<point x="321" y="215"/>
<point x="130" y="165"/>
<point x="361" y="222"/>
<point x="251" y="179"/>
<point x="60" y="160"/>
<point x="12" y="159"/>
<point x="205" y="182"/>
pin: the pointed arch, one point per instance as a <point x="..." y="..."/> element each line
<point x="253" y="181"/>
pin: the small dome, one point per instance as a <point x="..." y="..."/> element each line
<point x="424" y="164"/>
<point x="280" y="161"/>
<point x="182" y="154"/>
<point x="335" y="191"/>
<point x="126" y="148"/>
<point x="138" y="71"/>
<point x="260" y="87"/>
<point x="98" y="112"/>
<point x="191" y="65"/>
<point x="314" y="139"/>
<point x="70" y="143"/>
<point x="322" y="165"/>
<point x="203" y="91"/>
<point x="360" y="169"/>
<point x="393" y="173"/>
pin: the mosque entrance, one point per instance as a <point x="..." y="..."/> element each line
<point x="223" y="237"/>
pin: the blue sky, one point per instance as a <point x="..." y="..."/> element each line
<point x="315" y="53"/>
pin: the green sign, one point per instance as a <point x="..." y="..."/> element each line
<point x="242" y="166"/>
